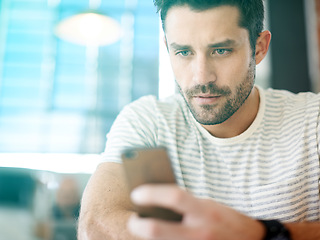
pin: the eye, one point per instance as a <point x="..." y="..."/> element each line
<point x="183" y="53"/>
<point x="222" y="51"/>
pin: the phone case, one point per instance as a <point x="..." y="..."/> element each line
<point x="150" y="165"/>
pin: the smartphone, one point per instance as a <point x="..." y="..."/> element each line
<point x="149" y="165"/>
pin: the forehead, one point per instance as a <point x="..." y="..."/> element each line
<point x="182" y="22"/>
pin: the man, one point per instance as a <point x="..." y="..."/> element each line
<point x="240" y="154"/>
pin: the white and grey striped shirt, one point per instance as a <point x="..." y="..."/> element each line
<point x="270" y="171"/>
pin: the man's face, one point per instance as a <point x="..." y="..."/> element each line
<point x="211" y="59"/>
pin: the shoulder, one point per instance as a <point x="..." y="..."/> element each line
<point x="291" y="109"/>
<point x="287" y="101"/>
<point x="143" y="123"/>
<point x="274" y="95"/>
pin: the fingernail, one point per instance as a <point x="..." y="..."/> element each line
<point x="131" y="224"/>
<point x="136" y="195"/>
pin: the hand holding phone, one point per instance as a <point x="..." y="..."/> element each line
<point x="150" y="165"/>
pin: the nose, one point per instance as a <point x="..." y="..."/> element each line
<point x="203" y="70"/>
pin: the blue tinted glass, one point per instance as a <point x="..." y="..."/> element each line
<point x="53" y="98"/>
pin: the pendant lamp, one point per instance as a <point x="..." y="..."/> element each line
<point x="89" y="29"/>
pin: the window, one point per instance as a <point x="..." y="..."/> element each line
<point x="53" y="96"/>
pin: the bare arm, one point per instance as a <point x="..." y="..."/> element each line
<point x="105" y="206"/>
<point x="203" y="219"/>
<point x="106" y="209"/>
<point x="304" y="230"/>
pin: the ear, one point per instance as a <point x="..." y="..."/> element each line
<point x="262" y="46"/>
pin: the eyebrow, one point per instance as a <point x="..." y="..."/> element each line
<point x="178" y="46"/>
<point x="226" y="43"/>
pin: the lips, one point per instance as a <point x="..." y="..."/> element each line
<point x="207" y="96"/>
<point x="206" y="99"/>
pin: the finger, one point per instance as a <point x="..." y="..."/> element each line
<point x="154" y="229"/>
<point x="165" y="195"/>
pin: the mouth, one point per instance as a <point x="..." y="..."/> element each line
<point x="207" y="96"/>
<point x="206" y="99"/>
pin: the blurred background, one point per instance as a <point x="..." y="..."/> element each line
<point x="67" y="67"/>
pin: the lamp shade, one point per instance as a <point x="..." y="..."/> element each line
<point x="90" y="29"/>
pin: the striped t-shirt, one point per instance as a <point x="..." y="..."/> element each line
<point x="270" y="171"/>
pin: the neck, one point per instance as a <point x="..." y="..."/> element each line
<point x="240" y="121"/>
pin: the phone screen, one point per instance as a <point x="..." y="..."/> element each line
<point x="150" y="165"/>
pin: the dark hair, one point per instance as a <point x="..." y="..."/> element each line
<point x="251" y="12"/>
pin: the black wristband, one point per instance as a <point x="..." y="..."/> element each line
<point x="275" y="230"/>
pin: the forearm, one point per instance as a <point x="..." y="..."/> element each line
<point x="105" y="206"/>
<point x="112" y="226"/>
<point x="304" y="230"/>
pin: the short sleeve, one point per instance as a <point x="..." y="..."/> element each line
<point x="135" y="126"/>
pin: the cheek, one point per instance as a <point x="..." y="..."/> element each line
<point x="233" y="70"/>
<point x="182" y="73"/>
